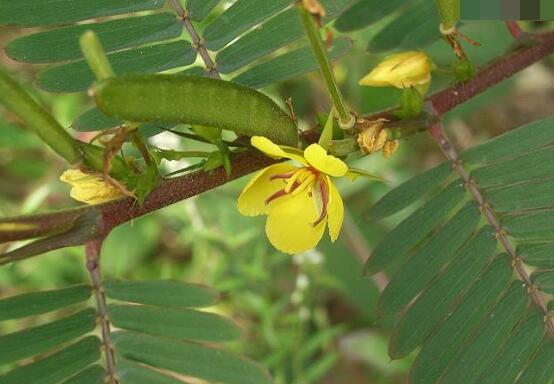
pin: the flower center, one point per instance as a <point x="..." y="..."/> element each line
<point x="297" y="182"/>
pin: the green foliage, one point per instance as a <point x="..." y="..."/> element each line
<point x="163" y="332"/>
<point x="454" y="295"/>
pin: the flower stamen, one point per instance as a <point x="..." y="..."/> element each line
<point x="324" y="189"/>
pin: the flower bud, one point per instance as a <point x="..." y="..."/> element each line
<point x="390" y="147"/>
<point x="373" y="137"/>
<point x="401" y="70"/>
<point x="89" y="188"/>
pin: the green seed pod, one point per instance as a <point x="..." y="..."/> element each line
<point x="195" y="100"/>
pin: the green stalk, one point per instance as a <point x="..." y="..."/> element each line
<point x="95" y="56"/>
<point x="449" y="11"/>
<point x="346" y="119"/>
<point x="37" y="119"/>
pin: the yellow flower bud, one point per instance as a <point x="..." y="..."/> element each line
<point x="373" y="137"/>
<point x="401" y="70"/>
<point x="89" y="188"/>
<point x="390" y="147"/>
<point x="314" y="7"/>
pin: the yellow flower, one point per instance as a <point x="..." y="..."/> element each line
<point x="89" y="188"/>
<point x="401" y="70"/>
<point x="300" y="201"/>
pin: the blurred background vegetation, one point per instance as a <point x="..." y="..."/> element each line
<point x="310" y="318"/>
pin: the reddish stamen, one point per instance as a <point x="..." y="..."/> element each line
<point x="281" y="176"/>
<point x="324" y="189"/>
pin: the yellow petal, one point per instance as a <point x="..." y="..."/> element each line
<point x="89" y="188"/>
<point x="289" y="225"/>
<point x="251" y="201"/>
<point x="400" y="70"/>
<point x="277" y="151"/>
<point x="335" y="211"/>
<point x="318" y="158"/>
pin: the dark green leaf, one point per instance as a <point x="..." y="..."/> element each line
<point x="35" y="303"/>
<point x="490" y="336"/>
<point x="77" y="76"/>
<point x="63" y="43"/>
<point x="44" y="12"/>
<point x="163" y="293"/>
<point x="522" y="197"/>
<point x="57" y="367"/>
<point x="410" y="191"/>
<point x="395" y="246"/>
<point x="189" y="359"/>
<point x="544" y="280"/>
<point x="366" y="12"/>
<point x="438" y="299"/>
<point x="195" y="100"/>
<point x="199" y="9"/>
<point x="527" y="167"/>
<point x="541" y="368"/>
<point x="239" y="18"/>
<point x="174" y="323"/>
<point x="289" y="65"/>
<point x="537" y="254"/>
<point x="33" y="341"/>
<point x="428" y="260"/>
<point x="515" y="353"/>
<point x="414" y="28"/>
<point x="275" y="33"/>
<point x="133" y="373"/>
<point x="534" y="226"/>
<point x="441" y="348"/>
<point x="92" y="375"/>
<point x="535" y="135"/>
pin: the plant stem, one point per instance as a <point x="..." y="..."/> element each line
<point x="37" y="119"/>
<point x="95" y="56"/>
<point x="92" y="251"/>
<point x="437" y="133"/>
<point x="180" y="188"/>
<point x="197" y="41"/>
<point x="346" y="119"/>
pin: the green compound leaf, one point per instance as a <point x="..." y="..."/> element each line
<point x="163" y="293"/>
<point x="77" y="76"/>
<point x="239" y="18"/>
<point x="540" y="370"/>
<point x="537" y="254"/>
<point x="133" y="373"/>
<point x="515" y="143"/>
<point x="515" y="353"/>
<point x="36" y="303"/>
<point x="289" y="65"/>
<point x="435" y="301"/>
<point x="92" y="375"/>
<point x="394" y="248"/>
<point x="415" y="27"/>
<point x="180" y="324"/>
<point x="199" y="9"/>
<point x="63" y="44"/>
<point x="195" y="100"/>
<point x="410" y="191"/>
<point x="189" y="359"/>
<point x="33" y="341"/>
<point x="28" y="13"/>
<point x="57" y="367"/>
<point x="420" y="269"/>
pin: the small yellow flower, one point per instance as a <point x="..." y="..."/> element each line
<point x="300" y="201"/>
<point x="401" y="70"/>
<point x="89" y="188"/>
